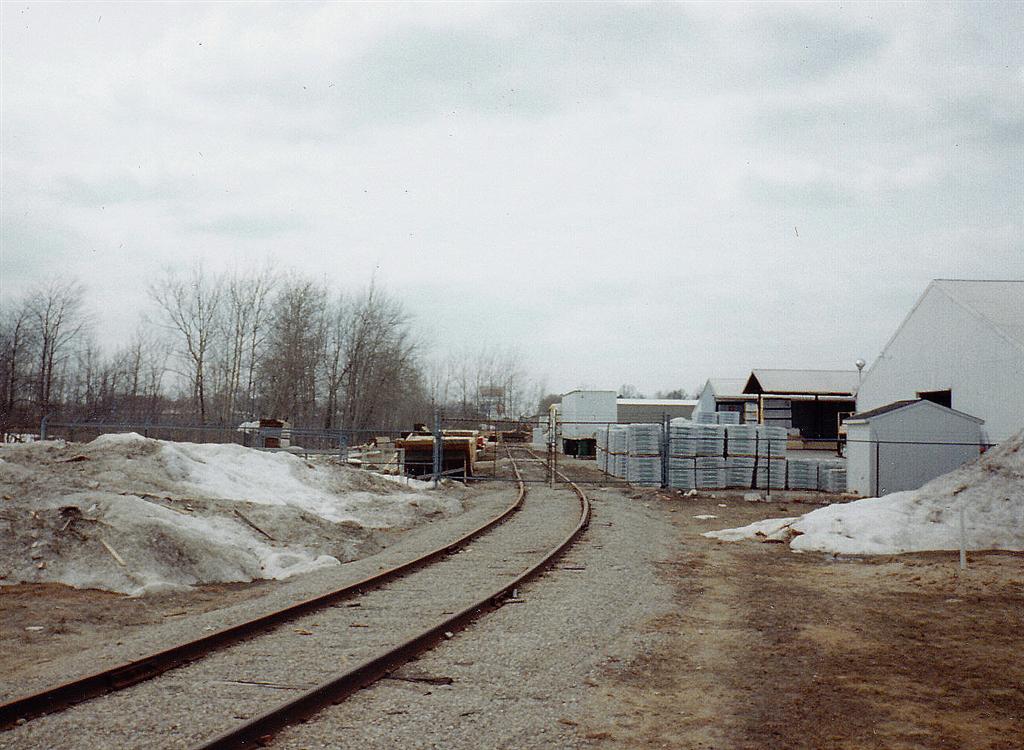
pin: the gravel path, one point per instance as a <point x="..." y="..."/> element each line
<point x="193" y="703"/>
<point x="482" y="503"/>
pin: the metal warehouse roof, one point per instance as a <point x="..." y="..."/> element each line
<point x="998" y="303"/>
<point x="804" y="382"/>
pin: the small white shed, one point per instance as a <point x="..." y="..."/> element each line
<point x="903" y="445"/>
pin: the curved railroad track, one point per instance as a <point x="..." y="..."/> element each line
<point x="332" y="646"/>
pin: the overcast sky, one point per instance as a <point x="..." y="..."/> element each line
<point x="646" y="194"/>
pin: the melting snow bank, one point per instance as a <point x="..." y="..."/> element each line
<point x="990" y="491"/>
<point x="133" y="515"/>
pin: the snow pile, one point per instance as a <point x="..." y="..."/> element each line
<point x="990" y="491"/>
<point x="129" y="514"/>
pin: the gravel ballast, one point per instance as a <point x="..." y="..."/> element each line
<point x="521" y="677"/>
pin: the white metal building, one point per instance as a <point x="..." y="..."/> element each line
<point x="903" y="445"/>
<point x="582" y="414"/>
<point x="726" y="394"/>
<point x="961" y="346"/>
<point x="808" y="403"/>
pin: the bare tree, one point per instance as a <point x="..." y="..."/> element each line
<point x="57" y="317"/>
<point x="191" y="306"/>
<point x="246" y="302"/>
<point x="379" y="355"/>
<point x="294" y="349"/>
<point x="16" y="342"/>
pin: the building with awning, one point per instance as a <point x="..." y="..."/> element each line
<point x="809" y="403"/>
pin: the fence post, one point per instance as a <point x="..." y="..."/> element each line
<point x="768" y="459"/>
<point x="42" y="428"/>
<point x="343" y="447"/>
<point x="664" y="449"/>
<point x="438" y="448"/>
<point x="878" y="467"/>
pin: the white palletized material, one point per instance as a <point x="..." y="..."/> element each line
<point x="682" y="438"/>
<point x="824" y="467"/>
<point x="741" y="440"/>
<point x="728" y="417"/>
<point x="802" y="474"/>
<point x="709" y="472"/>
<point x="711" y="440"/>
<point x="770" y="473"/>
<point x="644" y="439"/>
<point x="771" y="440"/>
<point x="644" y="446"/>
<point x="707" y="417"/>
<point x="681" y="473"/>
<point x="601" y="450"/>
<point x="617" y="451"/>
<point x="739" y="472"/>
<point x="835" y="480"/>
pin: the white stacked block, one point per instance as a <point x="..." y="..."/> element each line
<point x="802" y="474"/>
<point x="709" y="472"/>
<point x="681" y="473"/>
<point x="739" y="472"/>
<point x="644" y="446"/>
<point x="617" y="452"/>
<point x="771" y="440"/>
<point x="741" y="440"/>
<point x="707" y="417"/>
<point x="682" y="438"/>
<point x="770" y="473"/>
<point x="728" y="417"/>
<point x="835" y="480"/>
<point x="828" y="479"/>
<point x="711" y="440"/>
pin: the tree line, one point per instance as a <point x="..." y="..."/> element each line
<point x="222" y="348"/>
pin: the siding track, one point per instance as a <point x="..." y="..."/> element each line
<point x="320" y="652"/>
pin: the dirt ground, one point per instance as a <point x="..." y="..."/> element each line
<point x="771" y="649"/>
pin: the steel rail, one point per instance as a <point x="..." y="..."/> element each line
<point x="261" y="729"/>
<point x="144" y="668"/>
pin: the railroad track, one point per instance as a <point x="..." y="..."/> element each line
<point x="214" y="692"/>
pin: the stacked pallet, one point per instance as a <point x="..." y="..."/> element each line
<point x="728" y="417"/>
<point x="741" y="440"/>
<point x="707" y="417"/>
<point x="682" y="449"/>
<point x="770" y="473"/>
<point x="739" y="472"/>
<point x="834" y="480"/>
<point x="832" y="475"/>
<point x="643" y="443"/>
<point x="771" y="440"/>
<point x="709" y="472"/>
<point x="710" y="440"/>
<point x="802" y="474"/>
<point x="617" y="451"/>
<point x="682" y="438"/>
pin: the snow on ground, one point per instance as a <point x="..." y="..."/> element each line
<point x="990" y="491"/>
<point x="133" y="515"/>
